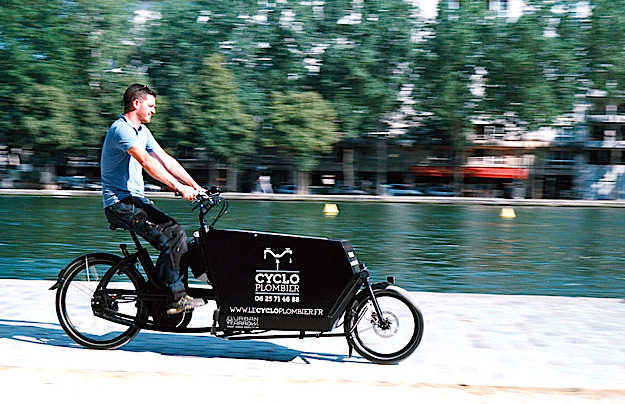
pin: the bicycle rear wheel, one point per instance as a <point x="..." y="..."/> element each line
<point x="76" y="306"/>
<point x="390" y="339"/>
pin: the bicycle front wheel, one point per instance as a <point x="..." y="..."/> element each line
<point x="75" y="303"/>
<point x="390" y="339"/>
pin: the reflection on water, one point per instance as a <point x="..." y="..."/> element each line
<point x="441" y="248"/>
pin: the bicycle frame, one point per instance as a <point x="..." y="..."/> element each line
<point x="262" y="284"/>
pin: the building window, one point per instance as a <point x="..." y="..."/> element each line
<point x="599" y="157"/>
<point x="609" y="135"/>
<point x="596" y="132"/>
<point x="500" y="6"/>
<point x="560" y="158"/>
<point x="494" y="132"/>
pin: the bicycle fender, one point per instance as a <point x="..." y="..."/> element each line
<point x="405" y="294"/>
<point x="87" y="257"/>
<point x="364" y="294"/>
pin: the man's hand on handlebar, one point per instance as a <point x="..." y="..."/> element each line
<point x="193" y="194"/>
<point x="188" y="192"/>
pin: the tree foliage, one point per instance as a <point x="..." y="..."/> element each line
<point x="449" y="59"/>
<point x="530" y="70"/>
<point x="303" y="127"/>
<point x="220" y="65"/>
<point x="217" y="118"/>
<point x="53" y="90"/>
<point x="603" y="55"/>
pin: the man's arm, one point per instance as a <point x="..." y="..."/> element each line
<point x="175" y="168"/>
<point x="156" y="169"/>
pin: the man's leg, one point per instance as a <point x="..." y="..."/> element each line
<point x="161" y="231"/>
<point x="172" y="243"/>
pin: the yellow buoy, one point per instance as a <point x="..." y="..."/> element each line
<point x="330" y="209"/>
<point x="507" y="213"/>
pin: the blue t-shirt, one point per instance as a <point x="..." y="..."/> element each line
<point x="122" y="175"/>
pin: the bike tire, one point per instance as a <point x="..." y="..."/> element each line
<point x="380" y="344"/>
<point x="75" y="302"/>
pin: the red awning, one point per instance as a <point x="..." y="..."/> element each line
<point x="433" y="171"/>
<point x="496" y="172"/>
<point x="474" y="172"/>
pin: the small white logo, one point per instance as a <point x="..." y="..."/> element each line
<point x="278" y="257"/>
<point x="277" y="285"/>
<point x="241" y="322"/>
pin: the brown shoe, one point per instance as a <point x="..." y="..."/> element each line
<point x="185" y="303"/>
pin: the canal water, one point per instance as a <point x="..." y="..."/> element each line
<point x="428" y="247"/>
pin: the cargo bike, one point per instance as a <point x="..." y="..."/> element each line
<point x="262" y="285"/>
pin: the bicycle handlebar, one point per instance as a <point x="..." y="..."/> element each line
<point x="203" y="196"/>
<point x="209" y="196"/>
<point x="207" y="201"/>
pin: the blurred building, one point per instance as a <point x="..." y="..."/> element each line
<point x="506" y="8"/>
<point x="602" y="174"/>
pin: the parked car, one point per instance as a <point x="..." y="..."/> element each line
<point x="152" y="188"/>
<point x="94" y="186"/>
<point x="346" y="190"/>
<point x="72" y="182"/>
<point x="286" y="189"/>
<point x="400" y="190"/>
<point x="440" y="190"/>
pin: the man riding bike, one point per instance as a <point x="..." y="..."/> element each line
<point x="128" y="149"/>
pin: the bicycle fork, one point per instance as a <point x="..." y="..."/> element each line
<point x="377" y="316"/>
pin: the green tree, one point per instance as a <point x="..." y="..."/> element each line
<point x="602" y="53"/>
<point x="368" y="56"/>
<point x="175" y="46"/>
<point x="531" y="71"/>
<point x="217" y="118"/>
<point x="447" y="62"/>
<point x="356" y="55"/>
<point x="303" y="129"/>
<point x="54" y="56"/>
<point x="44" y="120"/>
<point x="528" y="69"/>
<point x="34" y="43"/>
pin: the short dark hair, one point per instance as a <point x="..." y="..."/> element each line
<point x="134" y="92"/>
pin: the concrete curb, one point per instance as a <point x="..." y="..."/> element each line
<point x="348" y="198"/>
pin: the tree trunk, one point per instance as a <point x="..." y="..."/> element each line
<point x="48" y="177"/>
<point x="348" y="167"/>
<point x="458" y="171"/>
<point x="381" y="164"/>
<point x="232" y="176"/>
<point x="303" y="181"/>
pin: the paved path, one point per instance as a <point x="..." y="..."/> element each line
<point x="475" y="349"/>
